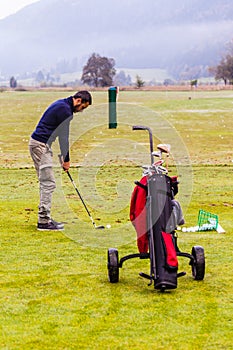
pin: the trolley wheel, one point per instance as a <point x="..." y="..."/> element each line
<point x="198" y="265"/>
<point x="113" y="267"/>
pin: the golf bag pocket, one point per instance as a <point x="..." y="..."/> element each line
<point x="170" y="252"/>
<point x="138" y="214"/>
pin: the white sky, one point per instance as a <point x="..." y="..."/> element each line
<point x="8" y="7"/>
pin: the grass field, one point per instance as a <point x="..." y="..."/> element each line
<point x="54" y="291"/>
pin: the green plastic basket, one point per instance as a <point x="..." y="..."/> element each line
<point x="207" y="221"/>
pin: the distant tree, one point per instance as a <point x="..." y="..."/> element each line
<point x="122" y="80"/>
<point x="224" y="70"/>
<point x="192" y="72"/>
<point x="98" y="71"/>
<point x="193" y="83"/>
<point x="40" y="76"/>
<point x="13" y="83"/>
<point x="168" y="81"/>
<point x="139" y="82"/>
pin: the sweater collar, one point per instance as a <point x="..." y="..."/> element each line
<point x="69" y="100"/>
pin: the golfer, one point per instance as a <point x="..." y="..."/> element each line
<point x="54" y="123"/>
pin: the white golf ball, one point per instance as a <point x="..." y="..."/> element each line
<point x="108" y="226"/>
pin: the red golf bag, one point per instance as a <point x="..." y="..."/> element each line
<point x="154" y="214"/>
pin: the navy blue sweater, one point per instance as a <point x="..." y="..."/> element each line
<point x="56" y="122"/>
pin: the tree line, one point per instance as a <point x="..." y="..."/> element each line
<point x="100" y="71"/>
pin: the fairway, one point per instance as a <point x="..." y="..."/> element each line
<point x="55" y="292"/>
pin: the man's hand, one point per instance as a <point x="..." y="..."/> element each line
<point x="66" y="166"/>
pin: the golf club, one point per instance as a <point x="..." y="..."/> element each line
<point x="164" y="148"/>
<point x="79" y="194"/>
<point x="157" y="154"/>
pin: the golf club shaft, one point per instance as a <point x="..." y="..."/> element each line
<point x="79" y="194"/>
<point x="84" y="204"/>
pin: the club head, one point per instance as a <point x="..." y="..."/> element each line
<point x="145" y="167"/>
<point x="164" y="148"/>
<point x="162" y="170"/>
<point x="159" y="162"/>
<point x="100" y="227"/>
<point x="157" y="154"/>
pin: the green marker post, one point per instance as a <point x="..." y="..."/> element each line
<point x="112" y="95"/>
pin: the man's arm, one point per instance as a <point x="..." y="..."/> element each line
<point x="63" y="138"/>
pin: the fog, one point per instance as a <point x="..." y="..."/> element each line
<point x="151" y="34"/>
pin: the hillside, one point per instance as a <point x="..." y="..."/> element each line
<point x="163" y="34"/>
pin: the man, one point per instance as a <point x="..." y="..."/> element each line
<point x="54" y="123"/>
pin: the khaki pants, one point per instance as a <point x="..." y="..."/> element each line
<point x="42" y="157"/>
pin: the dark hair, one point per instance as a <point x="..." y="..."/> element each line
<point x="84" y="95"/>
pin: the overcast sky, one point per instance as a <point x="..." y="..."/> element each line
<point x="8" y="7"/>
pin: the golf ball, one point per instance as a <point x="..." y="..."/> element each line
<point x="108" y="226"/>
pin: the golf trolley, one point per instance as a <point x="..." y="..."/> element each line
<point x="155" y="218"/>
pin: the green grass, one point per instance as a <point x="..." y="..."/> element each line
<point x="54" y="291"/>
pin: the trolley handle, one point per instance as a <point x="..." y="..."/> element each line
<point x="141" y="127"/>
